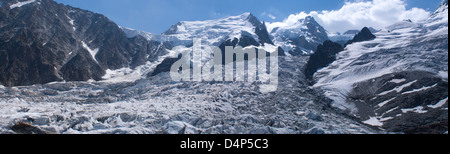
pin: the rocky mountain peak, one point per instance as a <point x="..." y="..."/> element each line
<point x="301" y="37"/>
<point x="251" y="18"/>
<point x="364" y="35"/>
<point x="215" y="32"/>
<point x="173" y="29"/>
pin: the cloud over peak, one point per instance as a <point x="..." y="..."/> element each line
<point x="358" y="14"/>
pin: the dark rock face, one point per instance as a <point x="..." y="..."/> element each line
<point x="364" y="35"/>
<point x="147" y="50"/>
<point x="26" y="64"/>
<point x="173" y="29"/>
<point x="411" y="109"/>
<point x="324" y="55"/>
<point x="281" y="52"/>
<point x="45" y="41"/>
<point x="25" y="128"/>
<point x="260" y="30"/>
<point x="165" y="66"/>
<point x="81" y="68"/>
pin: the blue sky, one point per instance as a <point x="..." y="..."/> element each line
<point x="156" y="16"/>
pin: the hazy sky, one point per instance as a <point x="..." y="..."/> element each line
<point x="156" y="16"/>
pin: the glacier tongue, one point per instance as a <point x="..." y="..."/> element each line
<point x="158" y="105"/>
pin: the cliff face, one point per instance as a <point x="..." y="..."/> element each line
<point x="324" y="55"/>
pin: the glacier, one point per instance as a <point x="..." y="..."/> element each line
<point x="159" y="105"/>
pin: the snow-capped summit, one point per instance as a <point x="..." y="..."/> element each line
<point x="301" y="37"/>
<point x="211" y="32"/>
<point x="244" y="30"/>
<point x="215" y="32"/>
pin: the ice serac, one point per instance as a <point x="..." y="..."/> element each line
<point x="397" y="80"/>
<point x="300" y="38"/>
<point x="42" y="41"/>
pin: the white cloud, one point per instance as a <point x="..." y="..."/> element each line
<point x="289" y="22"/>
<point x="271" y="16"/>
<point x="358" y="14"/>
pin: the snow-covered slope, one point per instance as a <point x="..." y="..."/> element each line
<point x="399" y="48"/>
<point x="214" y="32"/>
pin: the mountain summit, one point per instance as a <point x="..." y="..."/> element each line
<point x="215" y="32"/>
<point x="364" y="35"/>
<point x="300" y="38"/>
